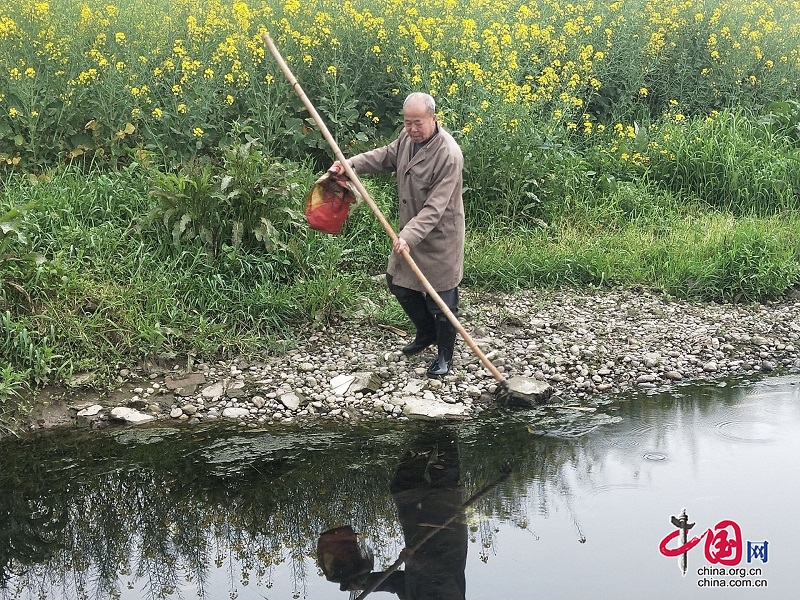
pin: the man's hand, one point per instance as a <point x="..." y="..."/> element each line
<point x="400" y="245"/>
<point x="336" y="168"/>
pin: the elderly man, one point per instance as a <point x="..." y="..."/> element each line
<point x="428" y="164"/>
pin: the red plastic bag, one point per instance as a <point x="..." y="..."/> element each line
<point x="329" y="203"/>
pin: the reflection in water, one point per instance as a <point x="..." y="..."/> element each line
<point x="429" y="497"/>
<point x="219" y="512"/>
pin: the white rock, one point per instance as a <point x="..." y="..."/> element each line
<point x="215" y="390"/>
<point x="235" y="413"/>
<point x="432" y="409"/>
<point x="341" y="383"/>
<point x="413" y="386"/>
<point x="130" y="415"/>
<point x="290" y="401"/>
<point x="90" y="411"/>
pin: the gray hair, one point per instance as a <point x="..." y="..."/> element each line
<point x="427" y="100"/>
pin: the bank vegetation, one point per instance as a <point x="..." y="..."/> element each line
<point x="155" y="163"/>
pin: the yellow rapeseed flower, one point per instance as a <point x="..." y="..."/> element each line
<point x="229" y="99"/>
<point x="198" y="132"/>
<point x="182" y="108"/>
<point x="119" y="37"/>
<point x="157" y="113"/>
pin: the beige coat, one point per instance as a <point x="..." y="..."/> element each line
<point x="431" y="208"/>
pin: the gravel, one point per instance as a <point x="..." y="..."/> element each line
<point x="586" y="345"/>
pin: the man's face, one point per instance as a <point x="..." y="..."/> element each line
<point x="418" y="122"/>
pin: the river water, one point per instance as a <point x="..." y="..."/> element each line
<point x="217" y="511"/>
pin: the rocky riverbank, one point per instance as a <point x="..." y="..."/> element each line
<point x="583" y="346"/>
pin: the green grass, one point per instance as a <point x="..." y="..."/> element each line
<point x="706" y="256"/>
<point x="111" y="292"/>
<point x="140" y="218"/>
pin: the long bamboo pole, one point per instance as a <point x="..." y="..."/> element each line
<point x="377" y="211"/>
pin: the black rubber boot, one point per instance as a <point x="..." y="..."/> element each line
<point x="417" y="310"/>
<point x="446" y="340"/>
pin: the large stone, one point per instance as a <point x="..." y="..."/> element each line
<point x="341" y="383"/>
<point x="90" y="411"/>
<point x="236" y="389"/>
<point x="526" y="391"/>
<point x="215" y="390"/>
<point x="130" y="415"/>
<point x="365" y="381"/>
<point x="432" y="409"/>
<point x="233" y="412"/>
<point x="185" y="385"/>
<point x="290" y="401"/>
<point x="89" y="416"/>
<point x="414" y="386"/>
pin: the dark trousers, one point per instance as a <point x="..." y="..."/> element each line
<point x="403" y="295"/>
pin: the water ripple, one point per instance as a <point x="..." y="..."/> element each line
<point x="656" y="456"/>
<point x="745" y="431"/>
